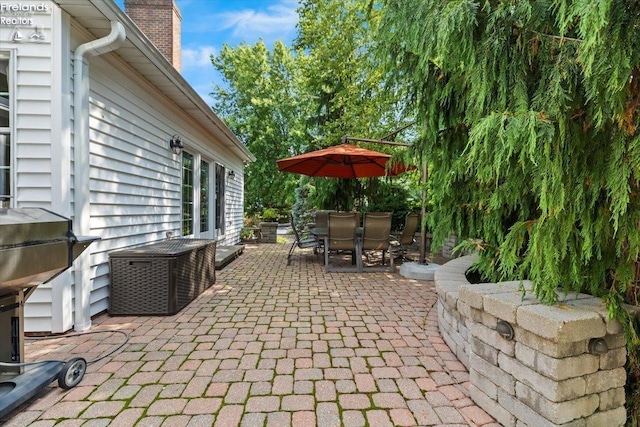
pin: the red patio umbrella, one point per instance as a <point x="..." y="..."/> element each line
<point x="342" y="161"/>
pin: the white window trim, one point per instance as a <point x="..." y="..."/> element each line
<point x="11" y="80"/>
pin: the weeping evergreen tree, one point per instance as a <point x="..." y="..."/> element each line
<point x="530" y="116"/>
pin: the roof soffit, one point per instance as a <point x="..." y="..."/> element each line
<point x="142" y="55"/>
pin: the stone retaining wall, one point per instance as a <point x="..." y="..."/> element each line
<point x="549" y="373"/>
<point x="447" y="249"/>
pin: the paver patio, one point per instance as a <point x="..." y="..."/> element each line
<point x="268" y="345"/>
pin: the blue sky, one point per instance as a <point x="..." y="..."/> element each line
<point x="208" y="24"/>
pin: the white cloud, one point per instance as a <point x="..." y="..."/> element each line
<point x="204" y="32"/>
<point x="276" y="21"/>
<point x="198" y="57"/>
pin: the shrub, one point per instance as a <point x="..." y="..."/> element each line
<point x="269" y="215"/>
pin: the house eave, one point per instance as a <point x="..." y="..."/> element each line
<point x="144" y="57"/>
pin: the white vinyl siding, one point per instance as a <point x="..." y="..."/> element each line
<point x="234" y="205"/>
<point x="34" y="141"/>
<point x="135" y="179"/>
<point x="135" y="176"/>
<point x="32" y="127"/>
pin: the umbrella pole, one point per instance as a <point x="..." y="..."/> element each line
<point x="423" y="212"/>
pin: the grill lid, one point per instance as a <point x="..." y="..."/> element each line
<point x="28" y="226"/>
<point x="35" y="246"/>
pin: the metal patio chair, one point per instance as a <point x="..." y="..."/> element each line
<point x="376" y="237"/>
<point x="321" y="219"/>
<point x="342" y="237"/>
<point x="299" y="242"/>
<point x="402" y="243"/>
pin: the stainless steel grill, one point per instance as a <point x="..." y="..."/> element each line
<point x="36" y="245"/>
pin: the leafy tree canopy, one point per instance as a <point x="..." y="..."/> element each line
<point x="346" y="88"/>
<point x="342" y="75"/>
<point x="292" y="100"/>
<point x="263" y="105"/>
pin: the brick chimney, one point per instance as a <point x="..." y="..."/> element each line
<point x="160" y="21"/>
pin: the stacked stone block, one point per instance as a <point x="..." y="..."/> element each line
<point x="449" y="244"/>
<point x="546" y="375"/>
<point x="453" y="324"/>
<point x="269" y="232"/>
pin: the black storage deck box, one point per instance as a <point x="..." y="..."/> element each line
<point x="160" y="278"/>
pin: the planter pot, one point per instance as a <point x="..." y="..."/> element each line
<point x="269" y="231"/>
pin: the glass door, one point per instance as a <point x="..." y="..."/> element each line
<point x="187" y="194"/>
<point x="220" y="187"/>
<point x="206" y="203"/>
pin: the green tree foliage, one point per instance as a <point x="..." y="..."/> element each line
<point x="345" y="84"/>
<point x="289" y="101"/>
<point x="530" y="113"/>
<point x="263" y="105"/>
<point x="398" y="197"/>
<point x="302" y="212"/>
<point x="342" y="76"/>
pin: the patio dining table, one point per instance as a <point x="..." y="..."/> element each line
<point x="322" y="232"/>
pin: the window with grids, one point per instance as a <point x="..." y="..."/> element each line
<point x="187" y="194"/>
<point x="220" y="190"/>
<point x="5" y="131"/>
<point x="204" y="196"/>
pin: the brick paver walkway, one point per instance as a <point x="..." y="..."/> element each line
<point x="269" y="345"/>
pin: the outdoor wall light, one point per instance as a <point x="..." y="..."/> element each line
<point x="175" y="143"/>
<point x="598" y="346"/>
<point x="232" y="175"/>
<point x="505" y="330"/>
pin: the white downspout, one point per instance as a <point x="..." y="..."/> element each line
<point x="81" y="168"/>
